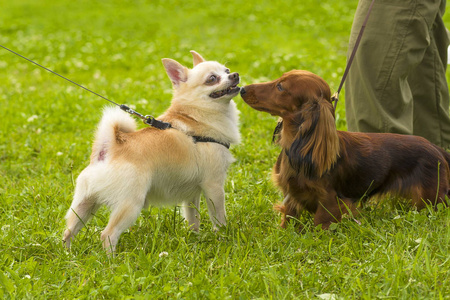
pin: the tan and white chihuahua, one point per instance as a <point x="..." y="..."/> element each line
<point x="130" y="170"/>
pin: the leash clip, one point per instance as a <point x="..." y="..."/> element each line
<point x="151" y="121"/>
<point x="335" y="99"/>
<point x="131" y="111"/>
<point x="148" y="119"/>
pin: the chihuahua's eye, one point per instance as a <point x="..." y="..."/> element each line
<point x="227" y="71"/>
<point x="211" y="79"/>
<point x="279" y="87"/>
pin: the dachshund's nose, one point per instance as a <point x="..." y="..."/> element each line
<point x="243" y="91"/>
<point x="234" y="75"/>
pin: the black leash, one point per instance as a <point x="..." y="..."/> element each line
<point x="335" y="97"/>
<point x="147" y="119"/>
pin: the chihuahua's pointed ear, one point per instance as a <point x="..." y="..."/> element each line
<point x="197" y="58"/>
<point x="177" y="72"/>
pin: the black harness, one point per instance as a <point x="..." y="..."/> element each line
<point x="203" y="139"/>
<point x="197" y="139"/>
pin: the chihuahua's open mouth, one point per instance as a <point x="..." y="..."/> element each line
<point x="230" y="90"/>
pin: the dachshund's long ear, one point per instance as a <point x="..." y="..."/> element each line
<point x="316" y="146"/>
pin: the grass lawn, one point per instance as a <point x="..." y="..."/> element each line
<point x="115" y="48"/>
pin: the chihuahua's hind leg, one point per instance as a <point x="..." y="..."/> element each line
<point x="122" y="216"/>
<point x="80" y="212"/>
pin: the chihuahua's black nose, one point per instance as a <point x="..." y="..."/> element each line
<point x="234" y="75"/>
<point x="243" y="91"/>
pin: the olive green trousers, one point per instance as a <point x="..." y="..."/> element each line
<point x="397" y="80"/>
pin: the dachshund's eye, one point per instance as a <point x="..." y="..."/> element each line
<point x="211" y="79"/>
<point x="279" y="87"/>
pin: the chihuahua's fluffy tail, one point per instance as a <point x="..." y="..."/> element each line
<point x="113" y="122"/>
<point x="114" y="119"/>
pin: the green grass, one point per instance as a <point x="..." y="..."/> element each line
<point x="114" y="48"/>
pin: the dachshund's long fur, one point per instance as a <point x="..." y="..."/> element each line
<point x="325" y="171"/>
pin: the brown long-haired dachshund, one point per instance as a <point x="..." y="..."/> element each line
<point x="325" y="171"/>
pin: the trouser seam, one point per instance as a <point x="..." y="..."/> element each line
<point x="385" y="121"/>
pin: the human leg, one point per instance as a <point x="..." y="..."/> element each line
<point x="429" y="87"/>
<point x="378" y="94"/>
